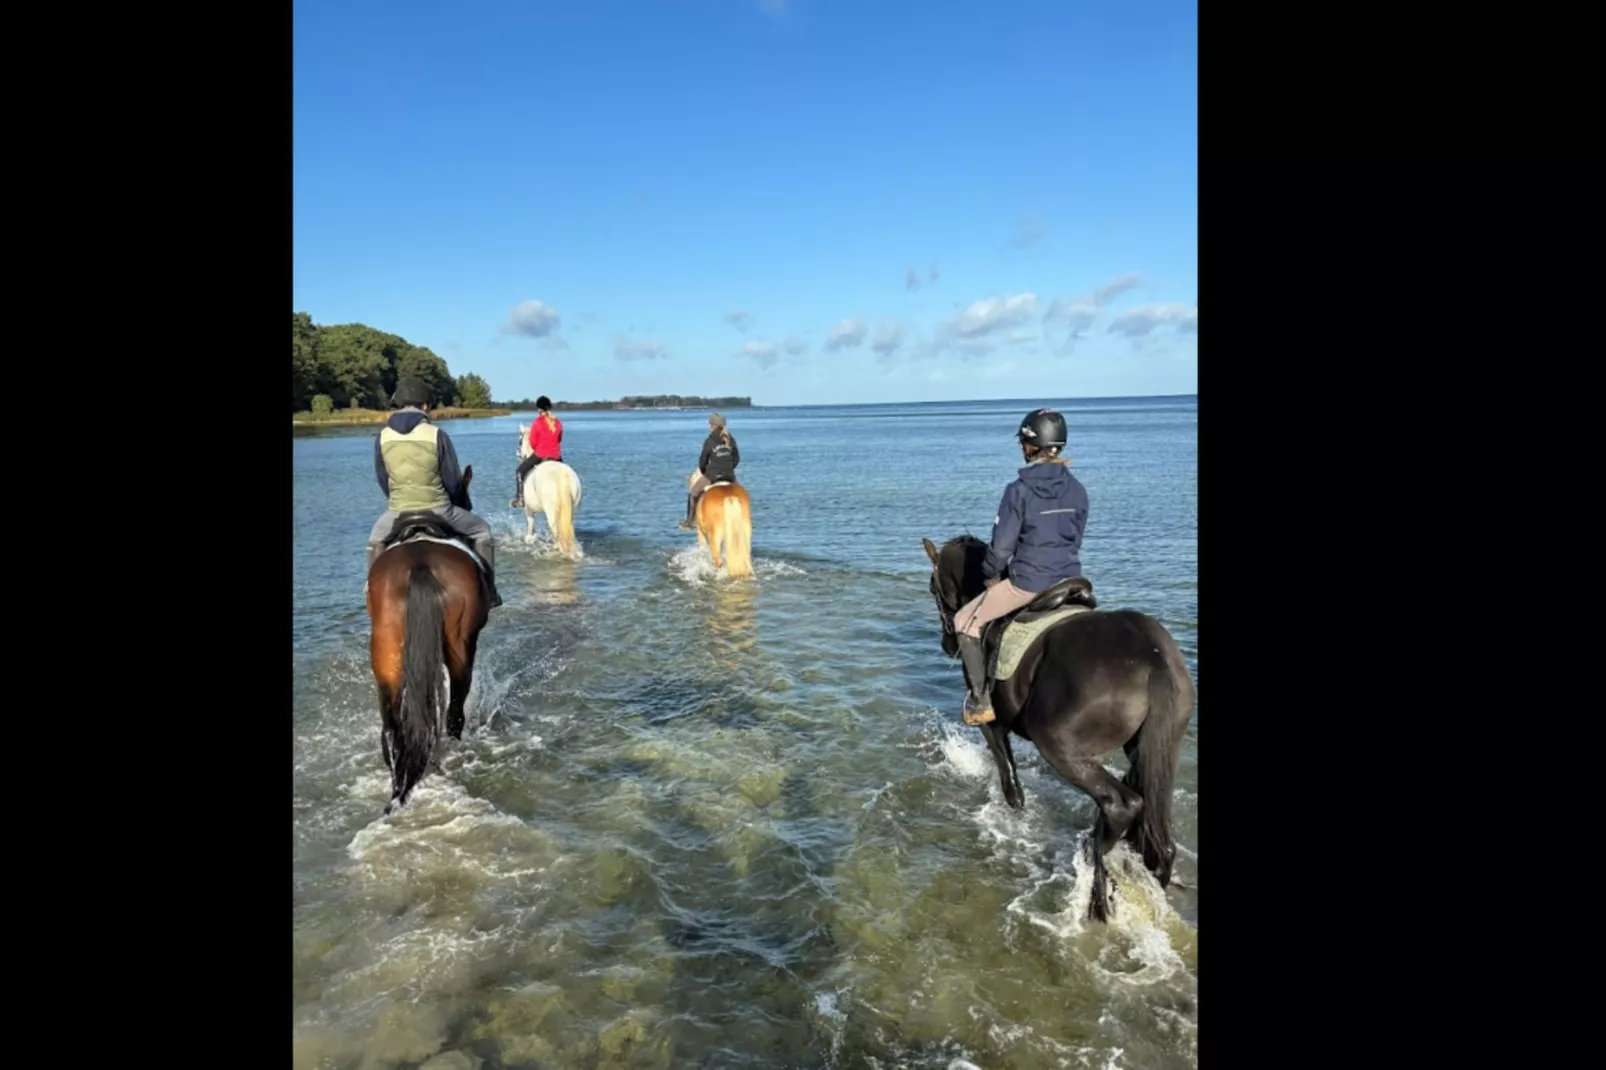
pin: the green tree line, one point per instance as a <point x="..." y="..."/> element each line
<point x="354" y="366"/>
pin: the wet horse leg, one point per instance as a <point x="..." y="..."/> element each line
<point x="386" y="722"/>
<point x="460" y="667"/>
<point x="1119" y="806"/>
<point x="997" y="737"/>
<point x="385" y="658"/>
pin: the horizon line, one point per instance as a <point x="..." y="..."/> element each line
<point x="939" y="401"/>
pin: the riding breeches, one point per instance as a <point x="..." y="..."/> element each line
<point x="1001" y="598"/>
<point x="529" y="463"/>
<point x="465" y="523"/>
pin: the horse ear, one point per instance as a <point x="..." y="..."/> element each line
<point x="468" y="475"/>
<point x="931" y="550"/>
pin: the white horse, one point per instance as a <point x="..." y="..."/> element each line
<point x="553" y="489"/>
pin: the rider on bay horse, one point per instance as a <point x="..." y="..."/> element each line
<point x="717" y="464"/>
<point x="546" y="444"/>
<point x="417" y="469"/>
<point x="1037" y="537"/>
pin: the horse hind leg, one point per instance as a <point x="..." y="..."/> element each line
<point x="1119" y="809"/>
<point x="460" y="666"/>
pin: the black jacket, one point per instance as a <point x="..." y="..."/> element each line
<point x="718" y="461"/>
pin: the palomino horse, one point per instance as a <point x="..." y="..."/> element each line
<point x="427" y="601"/>
<point x="1083" y="686"/>
<point x="724" y="520"/>
<point x="553" y="489"/>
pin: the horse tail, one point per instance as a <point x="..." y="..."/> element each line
<point x="560" y="513"/>
<point x="421" y="681"/>
<point x="1154" y="766"/>
<point x="737" y="521"/>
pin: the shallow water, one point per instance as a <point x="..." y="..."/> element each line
<point x="697" y="823"/>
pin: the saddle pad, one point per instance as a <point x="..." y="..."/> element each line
<point x="1017" y="637"/>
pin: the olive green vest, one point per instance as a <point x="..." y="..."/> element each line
<point x="413" y="467"/>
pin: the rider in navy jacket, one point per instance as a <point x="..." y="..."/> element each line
<point x="1037" y="541"/>
<point x="1037" y="534"/>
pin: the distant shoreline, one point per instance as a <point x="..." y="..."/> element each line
<point x="638" y="403"/>
<point x="367" y="417"/>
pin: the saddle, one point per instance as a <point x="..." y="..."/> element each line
<point x="1066" y="599"/>
<point x="427" y="527"/>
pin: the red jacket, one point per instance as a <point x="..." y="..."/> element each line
<point x="547" y="443"/>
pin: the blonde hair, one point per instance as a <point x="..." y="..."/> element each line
<point x="1041" y="453"/>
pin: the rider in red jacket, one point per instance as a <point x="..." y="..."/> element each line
<point x="546" y="440"/>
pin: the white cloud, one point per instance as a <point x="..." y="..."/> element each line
<point x="1078" y="314"/>
<point x="847" y="334"/>
<point x="739" y="319"/>
<point x="532" y="319"/>
<point x="760" y="352"/>
<point x="888" y="337"/>
<point x="1138" y="322"/>
<point x="628" y="349"/>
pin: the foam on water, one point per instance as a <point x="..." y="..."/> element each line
<point x="694" y="566"/>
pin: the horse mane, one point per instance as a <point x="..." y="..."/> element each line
<point x="966" y="539"/>
<point x="973" y="551"/>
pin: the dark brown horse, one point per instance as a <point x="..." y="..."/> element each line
<point x="427" y="601"/>
<point x="1099" y="680"/>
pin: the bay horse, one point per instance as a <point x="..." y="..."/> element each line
<point x="427" y="602"/>
<point x="1085" y="685"/>
<point x="552" y="489"/>
<point x="724" y="519"/>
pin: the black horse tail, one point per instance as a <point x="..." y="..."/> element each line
<point x="1154" y="768"/>
<point x="421" y="681"/>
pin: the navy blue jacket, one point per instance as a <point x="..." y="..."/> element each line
<point x="1037" y="534"/>
<point x="403" y="421"/>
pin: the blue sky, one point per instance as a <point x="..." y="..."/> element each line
<point x="807" y="201"/>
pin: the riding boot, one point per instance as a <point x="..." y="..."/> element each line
<point x="691" y="505"/>
<point x="518" y="492"/>
<point x="486" y="548"/>
<point x="978" y="709"/>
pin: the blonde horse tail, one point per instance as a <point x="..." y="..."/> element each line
<point x="560" y="514"/>
<point x="737" y="521"/>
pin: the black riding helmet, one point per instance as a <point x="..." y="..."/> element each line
<point x="543" y="404"/>
<point x="411" y="391"/>
<point x="1043" y="427"/>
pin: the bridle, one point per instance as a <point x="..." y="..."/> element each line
<point x="944" y="617"/>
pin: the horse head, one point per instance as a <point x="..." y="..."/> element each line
<point x="523" y="449"/>
<point x="955" y="579"/>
